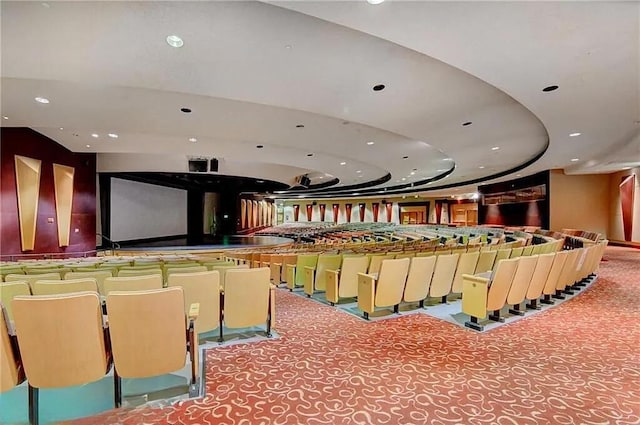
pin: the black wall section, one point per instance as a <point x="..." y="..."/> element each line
<point x="195" y="216"/>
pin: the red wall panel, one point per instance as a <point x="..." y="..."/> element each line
<point x="29" y="143"/>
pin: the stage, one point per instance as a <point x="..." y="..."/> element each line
<point x="211" y="245"/>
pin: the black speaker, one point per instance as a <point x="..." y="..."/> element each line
<point x="305" y="181"/>
<point x="197" y="165"/>
<point x="314" y="203"/>
<point x="214" y="165"/>
<point x="383" y="202"/>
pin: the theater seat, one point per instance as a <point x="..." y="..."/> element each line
<point x="485" y="262"/>
<point x="201" y="288"/>
<point x="386" y="289"/>
<point x="343" y="283"/>
<point x="133" y="283"/>
<point x="62" y="342"/>
<point x="99" y="276"/>
<point x="295" y="272"/>
<point x="144" y="271"/>
<point x="520" y="283"/>
<point x="550" y="284"/>
<point x="466" y="265"/>
<point x="315" y="277"/>
<point x="52" y="287"/>
<point x="10" y="290"/>
<point x="11" y="373"/>
<point x="150" y="335"/>
<point x="443" y="275"/>
<point x="419" y="279"/>
<point x="538" y="279"/>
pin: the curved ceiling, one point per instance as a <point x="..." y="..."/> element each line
<point x="253" y="73"/>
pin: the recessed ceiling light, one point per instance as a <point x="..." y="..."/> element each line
<point x="259" y="146"/>
<point x="88" y="146"/>
<point x="415" y="196"/>
<point x="482" y="166"/>
<point x="378" y="87"/>
<point x="412" y="173"/>
<point x="375" y="1"/>
<point x="574" y="134"/>
<point x="95" y="135"/>
<point x="186" y="110"/>
<point x="259" y="181"/>
<point x="42" y="100"/>
<point x="321" y="177"/>
<point x="403" y="179"/>
<point x="371" y="143"/>
<point x="4" y="117"/>
<point x="495" y="148"/>
<point x="300" y="126"/>
<point x="550" y="88"/>
<point x="518" y="175"/>
<point x="358" y="171"/>
<point x="343" y="163"/>
<point x="625" y="168"/>
<point x="61" y="128"/>
<point x="309" y="154"/>
<point x="287" y="46"/>
<point x="174" y="41"/>
<point x="465" y="124"/>
<point x="193" y="139"/>
<point x="575" y="159"/>
<point x="113" y="135"/>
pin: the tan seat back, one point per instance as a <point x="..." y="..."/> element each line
<point x="537" y="249"/>
<point x="52" y="287"/>
<point x="501" y="254"/>
<point x="98" y="275"/>
<point x="246" y="297"/>
<point x="540" y="274"/>
<point x="500" y="284"/>
<point x="61" y="339"/>
<point x="516" y="252"/>
<point x="375" y="262"/>
<point x="10" y="290"/>
<point x="143" y="271"/>
<point x="521" y="279"/>
<point x="222" y="270"/>
<point x="9" y="368"/>
<point x="30" y="279"/>
<point x="554" y="274"/>
<point x="466" y="265"/>
<point x="202" y="288"/>
<point x="191" y="269"/>
<point x="419" y="278"/>
<point x="391" y="282"/>
<point x="133" y="283"/>
<point x="527" y="251"/>
<point x="443" y="275"/>
<point x="568" y="273"/>
<point x="325" y="262"/>
<point x="287" y="259"/>
<point x="148" y="331"/>
<point x="485" y="261"/>
<point x="351" y="266"/>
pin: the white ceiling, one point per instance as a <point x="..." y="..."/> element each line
<point x="252" y="71"/>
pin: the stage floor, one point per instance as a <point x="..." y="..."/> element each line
<point x="212" y="244"/>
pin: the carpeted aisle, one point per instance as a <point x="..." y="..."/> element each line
<point x="578" y="363"/>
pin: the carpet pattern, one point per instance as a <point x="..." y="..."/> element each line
<point x="575" y="364"/>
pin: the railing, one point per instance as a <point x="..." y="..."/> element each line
<point x="49" y="255"/>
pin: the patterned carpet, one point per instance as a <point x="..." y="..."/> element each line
<point x="575" y="364"/>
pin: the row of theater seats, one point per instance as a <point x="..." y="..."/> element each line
<point x="528" y="278"/>
<point x="64" y="340"/>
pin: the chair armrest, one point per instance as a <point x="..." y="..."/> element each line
<point x="290" y="276"/>
<point x="309" y="279"/>
<point x="474" y="295"/>
<point x="366" y="292"/>
<point x="194" y="311"/>
<point x="331" y="293"/>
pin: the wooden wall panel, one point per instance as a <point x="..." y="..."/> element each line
<point x="63" y="183"/>
<point x="28" y="190"/>
<point x="243" y="213"/>
<point x="627" y="188"/>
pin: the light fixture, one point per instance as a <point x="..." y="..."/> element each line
<point x="186" y="110"/>
<point x="193" y="139"/>
<point x="4" y="117"/>
<point x="95" y="135"/>
<point x="287" y="46"/>
<point x="299" y="125"/>
<point x="403" y="179"/>
<point x="113" y="135"/>
<point x="481" y="167"/>
<point x="575" y="159"/>
<point x="518" y="175"/>
<point x="405" y="157"/>
<point x="174" y="41"/>
<point x="549" y="88"/>
<point x="465" y="124"/>
<point x="574" y="134"/>
<point x="61" y="128"/>
<point x="412" y="173"/>
<point x="88" y="146"/>
<point x="259" y="146"/>
<point x="43" y="100"/>
<point x="371" y="143"/>
<point x="378" y="87"/>
<point x="415" y="196"/>
<point x="625" y="168"/>
<point x="495" y="148"/>
<point x="358" y="171"/>
<point x="343" y="163"/>
<point x="374" y="2"/>
<point x="309" y="154"/>
<point x="476" y="195"/>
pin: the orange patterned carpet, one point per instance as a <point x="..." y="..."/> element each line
<point x="578" y="363"/>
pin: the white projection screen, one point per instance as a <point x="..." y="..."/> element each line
<point x="142" y="211"/>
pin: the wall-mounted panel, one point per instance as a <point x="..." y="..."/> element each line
<point x="28" y="191"/>
<point x="63" y="183"/>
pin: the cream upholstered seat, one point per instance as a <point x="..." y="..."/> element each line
<point x="485" y="261"/>
<point x="527" y="250"/>
<point x="344" y="283"/>
<point x="275" y="265"/>
<point x="482" y="294"/>
<point x="30" y="279"/>
<point x="11" y="373"/>
<point x="132" y="283"/>
<point x="10" y="290"/>
<point x="295" y="272"/>
<point x="201" y="288"/>
<point x="190" y="269"/>
<point x="568" y="274"/>
<point x="98" y="275"/>
<point x="61" y="271"/>
<point x="141" y="271"/>
<point x="248" y="299"/>
<point x="315" y="278"/>
<point x="538" y="279"/>
<point x="549" y="287"/>
<point x="52" y="287"/>
<point x="384" y="291"/>
<point x="520" y="283"/>
<point x="222" y="270"/>
<point x="501" y="254"/>
<point x="279" y="264"/>
<point x="516" y="252"/>
<point x="62" y="341"/>
<point x="443" y="276"/>
<point x="466" y="265"/>
<point x="375" y="261"/>
<point x="419" y="279"/>
<point x="150" y="335"/>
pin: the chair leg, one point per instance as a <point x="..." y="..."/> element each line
<point x="558" y="295"/>
<point x="516" y="310"/>
<point x="473" y="324"/>
<point x="33" y="405"/>
<point x="396" y="309"/>
<point x="268" y="333"/>
<point x="365" y="315"/>
<point x="421" y="303"/>
<point x="533" y="305"/>
<point x="221" y="336"/>
<point x="547" y="300"/>
<point x="117" y="388"/>
<point x="444" y="299"/>
<point x="192" y="352"/>
<point x="496" y="316"/>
